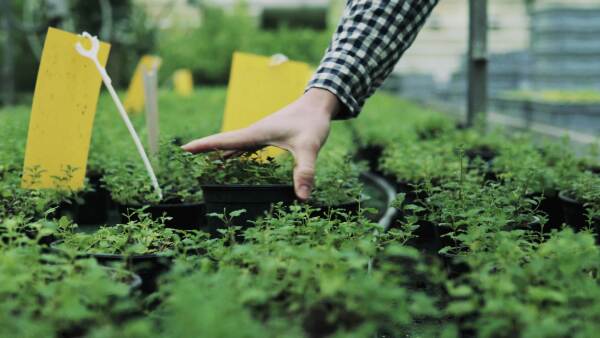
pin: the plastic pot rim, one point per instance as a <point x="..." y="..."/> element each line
<point x="162" y="205"/>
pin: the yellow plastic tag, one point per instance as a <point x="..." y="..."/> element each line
<point x="183" y="82"/>
<point x="134" y="99"/>
<point x="258" y="88"/>
<point x="62" y="114"/>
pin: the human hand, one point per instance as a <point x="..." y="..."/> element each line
<point x="301" y="128"/>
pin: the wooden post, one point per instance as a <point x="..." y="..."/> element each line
<point x="477" y="63"/>
<point x="8" y="65"/>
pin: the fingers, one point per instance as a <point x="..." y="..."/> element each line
<point x="237" y="153"/>
<point x="242" y="139"/>
<point x="304" y="171"/>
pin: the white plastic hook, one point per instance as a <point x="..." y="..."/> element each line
<point x="278" y="59"/>
<point x="92" y="54"/>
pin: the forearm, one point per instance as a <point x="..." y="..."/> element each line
<point x="368" y="43"/>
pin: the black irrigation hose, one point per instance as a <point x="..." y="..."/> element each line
<point x="387" y="218"/>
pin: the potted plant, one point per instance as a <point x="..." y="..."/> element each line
<point x="478" y="145"/>
<point x="32" y="204"/>
<point x="469" y="212"/>
<point x="371" y="154"/>
<point x="91" y="206"/>
<point x="411" y="165"/>
<point x="539" y="175"/>
<point x="247" y="182"/>
<point x="18" y="231"/>
<point x="50" y="295"/>
<point x="337" y="184"/>
<point x="434" y="127"/>
<point x="309" y="271"/>
<point x="550" y="278"/>
<point x="581" y="202"/>
<point x="145" y="246"/>
<point x="177" y="171"/>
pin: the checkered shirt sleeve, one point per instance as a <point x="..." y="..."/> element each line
<point x="369" y="41"/>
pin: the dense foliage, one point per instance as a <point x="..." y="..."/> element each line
<point x="475" y="249"/>
<point x="208" y="48"/>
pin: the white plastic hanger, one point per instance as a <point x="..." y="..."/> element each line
<point x="92" y="54"/>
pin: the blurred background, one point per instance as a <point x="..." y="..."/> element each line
<point x="544" y="55"/>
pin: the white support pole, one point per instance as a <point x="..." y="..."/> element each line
<point x="151" y="100"/>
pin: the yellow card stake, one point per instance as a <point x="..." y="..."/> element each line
<point x="258" y="88"/>
<point x="134" y="100"/>
<point x="183" y="82"/>
<point x="62" y="114"/>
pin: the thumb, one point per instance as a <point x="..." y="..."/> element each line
<point x="304" y="172"/>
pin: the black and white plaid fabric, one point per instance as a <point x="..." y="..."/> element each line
<point x="366" y="46"/>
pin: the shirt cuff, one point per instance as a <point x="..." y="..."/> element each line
<point x="333" y="76"/>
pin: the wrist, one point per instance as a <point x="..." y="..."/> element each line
<point x="323" y="101"/>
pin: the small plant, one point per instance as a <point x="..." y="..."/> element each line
<point x="434" y="127"/>
<point x="417" y="162"/>
<point x="32" y="204"/>
<point x="337" y="179"/>
<point x="46" y="295"/>
<point x="471" y="212"/>
<point x="290" y="268"/>
<point x="19" y="231"/>
<point x="249" y="168"/>
<point x="522" y="287"/>
<point x="129" y="184"/>
<point x="586" y="190"/>
<point x="521" y="163"/>
<point x="145" y="236"/>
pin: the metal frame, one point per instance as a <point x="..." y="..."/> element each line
<point x="7" y="76"/>
<point x="477" y="96"/>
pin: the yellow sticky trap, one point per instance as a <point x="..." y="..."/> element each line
<point x="134" y="99"/>
<point x="62" y="114"/>
<point x="258" y="88"/>
<point x="183" y="82"/>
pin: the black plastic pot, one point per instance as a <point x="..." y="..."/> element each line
<point x="96" y="203"/>
<point x="454" y="267"/>
<point x="485" y="153"/>
<point x="371" y="154"/>
<point x="595" y="169"/>
<point x="148" y="266"/>
<point x="426" y="238"/>
<point x="461" y="126"/>
<point x="255" y="199"/>
<point x="426" y="233"/>
<point x="573" y="210"/>
<point x="411" y="191"/>
<point x="184" y="216"/>
<point x="551" y="205"/>
<point x="316" y="325"/>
